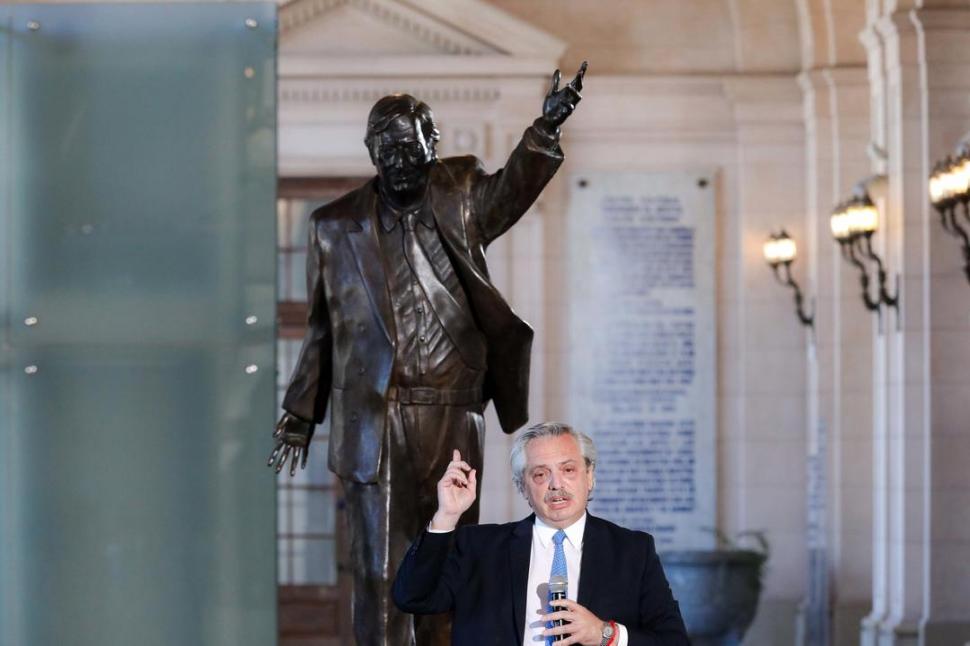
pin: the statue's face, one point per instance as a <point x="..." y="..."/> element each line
<point x="403" y="158"/>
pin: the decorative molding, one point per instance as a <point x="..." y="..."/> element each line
<point x="456" y="27"/>
<point x="444" y="39"/>
<point x="296" y="92"/>
<point x="415" y="66"/>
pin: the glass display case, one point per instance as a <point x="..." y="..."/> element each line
<point x="137" y="323"/>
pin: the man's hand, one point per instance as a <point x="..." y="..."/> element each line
<point x="292" y="437"/>
<point x="456" y="493"/>
<point x="560" y="103"/>
<point x="583" y="628"/>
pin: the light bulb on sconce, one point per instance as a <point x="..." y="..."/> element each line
<point x="853" y="223"/>
<point x="779" y="248"/>
<point x="863" y="217"/>
<point x="839" y="223"/>
<point x="780" y="251"/>
<point x="949" y="188"/>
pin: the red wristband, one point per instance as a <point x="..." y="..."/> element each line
<point x="615" y="635"/>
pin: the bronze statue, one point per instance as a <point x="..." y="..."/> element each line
<point x="408" y="340"/>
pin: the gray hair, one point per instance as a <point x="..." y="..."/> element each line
<point x="547" y="429"/>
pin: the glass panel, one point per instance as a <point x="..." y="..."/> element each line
<point x="138" y="221"/>
<point x="5" y="171"/>
<point x="10" y="570"/>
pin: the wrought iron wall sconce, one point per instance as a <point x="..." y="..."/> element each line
<point x="780" y="251"/>
<point x="950" y="192"/>
<point x="853" y="224"/>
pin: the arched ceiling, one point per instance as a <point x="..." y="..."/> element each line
<point x="670" y="36"/>
<point x="830" y="32"/>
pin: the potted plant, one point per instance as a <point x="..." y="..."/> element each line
<point x="718" y="589"/>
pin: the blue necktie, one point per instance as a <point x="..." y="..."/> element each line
<point x="558" y="569"/>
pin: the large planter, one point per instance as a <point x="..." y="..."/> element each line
<point x="717" y="590"/>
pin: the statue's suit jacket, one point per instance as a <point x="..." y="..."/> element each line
<point x="348" y="350"/>
<point x="480" y="573"/>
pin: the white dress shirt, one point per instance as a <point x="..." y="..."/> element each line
<point x="540" y="565"/>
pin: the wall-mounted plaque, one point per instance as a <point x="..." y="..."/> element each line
<point x="642" y="355"/>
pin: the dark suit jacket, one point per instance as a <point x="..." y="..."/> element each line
<point x="348" y="349"/>
<point x="480" y="572"/>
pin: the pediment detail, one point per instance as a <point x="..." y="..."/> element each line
<point x="483" y="71"/>
<point x="382" y="28"/>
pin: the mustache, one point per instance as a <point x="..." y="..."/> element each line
<point x="558" y="493"/>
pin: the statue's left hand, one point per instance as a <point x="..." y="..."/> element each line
<point x="560" y="103"/>
<point x="292" y="437"/>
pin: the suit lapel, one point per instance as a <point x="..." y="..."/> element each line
<point x="491" y="309"/>
<point x="520" y="553"/>
<point x="362" y="234"/>
<point x="445" y="198"/>
<point x="590" y="567"/>
<point x="448" y="208"/>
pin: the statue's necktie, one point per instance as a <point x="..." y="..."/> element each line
<point x="558" y="569"/>
<point x="449" y="313"/>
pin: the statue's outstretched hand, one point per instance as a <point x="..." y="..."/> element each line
<point x="292" y="437"/>
<point x="560" y="103"/>
<point x="456" y="493"/>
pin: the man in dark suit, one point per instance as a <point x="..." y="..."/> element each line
<point x="494" y="577"/>
<point x="408" y="339"/>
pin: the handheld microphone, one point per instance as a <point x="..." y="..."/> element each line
<point x="557" y="590"/>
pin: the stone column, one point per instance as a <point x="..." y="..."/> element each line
<point x="872" y="39"/>
<point x="840" y="386"/>
<point x="922" y="504"/>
